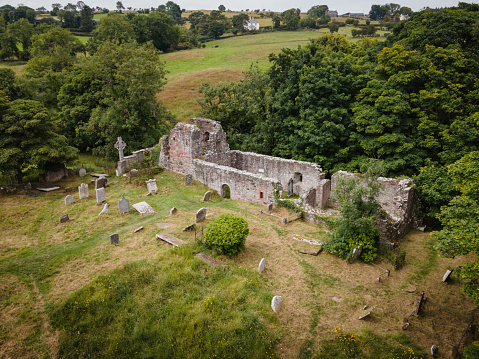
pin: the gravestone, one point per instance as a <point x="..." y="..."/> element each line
<point x="100" y="195"/>
<point x="200" y="215"/>
<point x="151" y="185"/>
<point x="100" y="182"/>
<point x="123" y="205"/>
<point x="309" y="197"/>
<point x="189" y="227"/>
<point x="270" y="207"/>
<point x="64" y="218"/>
<point x="120" y="146"/>
<point x="48" y="188"/>
<point x="143" y="208"/>
<point x="207" y="196"/>
<point x="367" y="314"/>
<point x="261" y="265"/>
<point x="188" y="180"/>
<point x="356" y="253"/>
<point x="68" y="199"/>
<point x="173" y="210"/>
<point x="134" y="173"/>
<point x="82" y="172"/>
<point x="104" y="210"/>
<point x="83" y="190"/>
<point x="114" y="239"/>
<point x="138" y="229"/>
<point x="447" y="275"/>
<point x="434" y="350"/>
<point x="290" y="187"/>
<point x="275" y="303"/>
<point x="168" y="238"/>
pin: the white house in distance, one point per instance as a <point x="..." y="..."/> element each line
<point x="251" y="24"/>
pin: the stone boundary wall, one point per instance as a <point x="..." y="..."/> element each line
<point x="129" y="161"/>
<point x="244" y="186"/>
<point x="54" y="176"/>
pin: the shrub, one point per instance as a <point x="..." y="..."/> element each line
<point x="227" y="234"/>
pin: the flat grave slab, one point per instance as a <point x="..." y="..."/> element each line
<point x="144" y="208"/>
<point x="209" y="259"/>
<point x="168" y="238"/>
<point x="47" y="188"/>
<point x="98" y="175"/>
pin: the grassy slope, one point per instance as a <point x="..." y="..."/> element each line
<point x="58" y="280"/>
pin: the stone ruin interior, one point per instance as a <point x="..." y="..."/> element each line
<point x="199" y="148"/>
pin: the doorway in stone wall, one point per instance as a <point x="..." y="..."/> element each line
<point x="225" y="191"/>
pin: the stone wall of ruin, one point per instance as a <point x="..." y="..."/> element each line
<point x="243" y="185"/>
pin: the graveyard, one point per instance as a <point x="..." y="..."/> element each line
<point x="98" y="282"/>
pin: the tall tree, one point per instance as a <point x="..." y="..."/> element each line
<point x="318" y="10"/>
<point x="291" y="19"/>
<point x="86" y="22"/>
<point x="159" y="28"/>
<point x="113" y="27"/>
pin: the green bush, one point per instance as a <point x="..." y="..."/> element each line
<point x="367" y="243"/>
<point x="227" y="234"/>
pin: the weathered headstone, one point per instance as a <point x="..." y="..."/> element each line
<point x="200" y="215"/>
<point x="100" y="182"/>
<point x="189" y="227"/>
<point x="261" y="265"/>
<point x="173" y="210"/>
<point x="309" y="197"/>
<point x="134" y="173"/>
<point x="275" y="303"/>
<point x="64" y="218"/>
<point x="270" y="207"/>
<point x="434" y="350"/>
<point x="138" y="229"/>
<point x="48" y="188"/>
<point x="447" y="275"/>
<point x="123" y="205"/>
<point x="83" y="190"/>
<point x="82" y="172"/>
<point x="356" y="253"/>
<point x="120" y="146"/>
<point x="114" y="239"/>
<point x="207" y="196"/>
<point x="104" y="210"/>
<point x="151" y="185"/>
<point x="100" y="196"/>
<point x="143" y="208"/>
<point x="168" y="238"/>
<point x="188" y="180"/>
<point x="290" y="187"/>
<point x="68" y="199"/>
<point x="367" y="314"/>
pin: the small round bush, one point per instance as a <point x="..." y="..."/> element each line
<point x="227" y="234"/>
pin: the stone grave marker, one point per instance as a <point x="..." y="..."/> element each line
<point x="64" y="218"/>
<point x="189" y="227"/>
<point x="168" y="238"/>
<point x="82" y="172"/>
<point x="100" y="195"/>
<point x="270" y="207"/>
<point x="356" y="253"/>
<point x="134" y="173"/>
<point x="188" y="180"/>
<point x="143" y="208"/>
<point x="83" y="190"/>
<point x="207" y="196"/>
<point x="367" y="314"/>
<point x="434" y="350"/>
<point x="114" y="239"/>
<point x="261" y="265"/>
<point x="123" y="205"/>
<point x="173" y="211"/>
<point x="151" y="185"/>
<point x="138" y="229"/>
<point x="290" y="187"/>
<point x="48" y="188"/>
<point x="200" y="215"/>
<point x="120" y="146"/>
<point x="100" y="182"/>
<point x="447" y="275"/>
<point x="275" y="303"/>
<point x="68" y="199"/>
<point x="104" y="210"/>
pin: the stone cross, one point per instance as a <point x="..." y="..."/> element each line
<point x="120" y="146"/>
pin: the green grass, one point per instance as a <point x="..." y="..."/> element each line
<point x="83" y="39"/>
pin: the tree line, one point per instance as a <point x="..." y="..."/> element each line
<point x="410" y="103"/>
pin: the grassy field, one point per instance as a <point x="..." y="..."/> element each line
<point x="224" y="60"/>
<point x="64" y="290"/>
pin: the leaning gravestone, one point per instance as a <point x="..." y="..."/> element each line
<point x="114" y="239"/>
<point x="207" y="196"/>
<point x="200" y="215"/>
<point x="143" y="208"/>
<point x="173" y="211"/>
<point x="261" y="265"/>
<point x="270" y="207"/>
<point x="447" y="275"/>
<point x="100" y="196"/>
<point x="100" y="182"/>
<point x="356" y="253"/>
<point x="434" y="350"/>
<point x="82" y="172"/>
<point x="290" y="187"/>
<point x="123" y="205"/>
<point x="104" y="210"/>
<point x="64" y="218"/>
<point x="83" y="190"/>
<point x="188" y="180"/>
<point x="151" y="185"/>
<point x="68" y="199"/>
<point x="275" y="303"/>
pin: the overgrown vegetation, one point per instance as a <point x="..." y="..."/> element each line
<point x="227" y="234"/>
